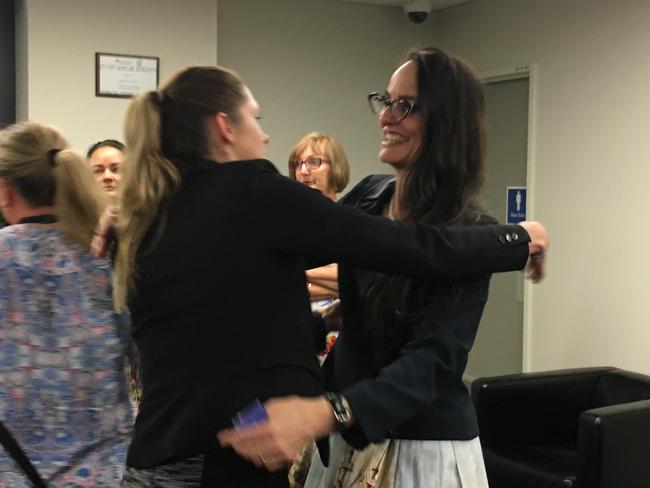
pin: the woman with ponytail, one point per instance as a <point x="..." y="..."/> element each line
<point x="63" y="389"/>
<point x="203" y="216"/>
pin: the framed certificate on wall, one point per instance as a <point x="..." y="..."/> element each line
<point x="124" y="75"/>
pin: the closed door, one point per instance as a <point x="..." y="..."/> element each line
<point x="499" y="343"/>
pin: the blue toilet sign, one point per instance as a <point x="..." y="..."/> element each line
<point x="515" y="204"/>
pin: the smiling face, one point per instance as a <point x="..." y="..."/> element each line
<point x="105" y="163"/>
<point x="318" y="179"/>
<point x="401" y="141"/>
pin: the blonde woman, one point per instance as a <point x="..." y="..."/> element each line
<point x="319" y="161"/>
<point x="63" y="389"/>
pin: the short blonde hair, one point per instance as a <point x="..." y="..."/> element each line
<point x="36" y="160"/>
<point x="329" y="147"/>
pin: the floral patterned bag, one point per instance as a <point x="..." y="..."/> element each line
<point x="372" y="467"/>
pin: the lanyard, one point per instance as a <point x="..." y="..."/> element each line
<point x="39" y="219"/>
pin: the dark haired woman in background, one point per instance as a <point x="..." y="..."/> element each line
<point x="106" y="158"/>
<point x="202" y="218"/>
<point x="405" y="415"/>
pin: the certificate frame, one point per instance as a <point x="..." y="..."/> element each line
<point x="125" y="75"/>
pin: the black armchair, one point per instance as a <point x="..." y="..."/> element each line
<point x="580" y="428"/>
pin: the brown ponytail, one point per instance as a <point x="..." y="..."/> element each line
<point x="164" y="131"/>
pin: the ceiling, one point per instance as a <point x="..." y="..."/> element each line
<point x="437" y="4"/>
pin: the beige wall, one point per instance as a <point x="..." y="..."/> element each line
<point x="311" y="63"/>
<point x="590" y="177"/>
<point x="22" y="61"/>
<point x="58" y="55"/>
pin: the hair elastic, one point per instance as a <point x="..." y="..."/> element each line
<point x="51" y="156"/>
<point x="157" y="97"/>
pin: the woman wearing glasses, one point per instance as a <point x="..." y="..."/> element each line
<point x="319" y="162"/>
<point x="398" y="364"/>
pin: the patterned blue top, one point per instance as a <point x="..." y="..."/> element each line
<point x="63" y="389"/>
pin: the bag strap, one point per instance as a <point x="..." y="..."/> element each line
<point x="10" y="444"/>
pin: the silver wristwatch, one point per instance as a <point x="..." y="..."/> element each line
<point x="340" y="408"/>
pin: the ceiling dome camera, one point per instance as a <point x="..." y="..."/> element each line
<point x="417" y="10"/>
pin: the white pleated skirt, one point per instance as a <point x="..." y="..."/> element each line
<point x="411" y="464"/>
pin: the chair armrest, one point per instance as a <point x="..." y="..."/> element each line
<point x="533" y="407"/>
<point x="614" y="446"/>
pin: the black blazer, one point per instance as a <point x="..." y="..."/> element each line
<point x="209" y="345"/>
<point x="421" y="394"/>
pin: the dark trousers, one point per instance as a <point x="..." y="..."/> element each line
<point x="224" y="468"/>
<point x="219" y="469"/>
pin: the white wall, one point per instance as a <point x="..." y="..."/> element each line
<point x="311" y="64"/>
<point x="590" y="178"/>
<point x="63" y="37"/>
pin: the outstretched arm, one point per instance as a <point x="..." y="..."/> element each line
<point x="299" y="221"/>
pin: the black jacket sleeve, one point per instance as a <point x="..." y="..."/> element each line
<point x="434" y="357"/>
<point x="298" y="220"/>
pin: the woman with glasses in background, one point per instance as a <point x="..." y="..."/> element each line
<point x="319" y="162"/>
<point x="404" y="417"/>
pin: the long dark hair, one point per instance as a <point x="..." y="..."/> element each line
<point x="440" y="188"/>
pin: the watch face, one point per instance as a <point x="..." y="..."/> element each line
<point x="344" y="418"/>
<point x="342" y="414"/>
